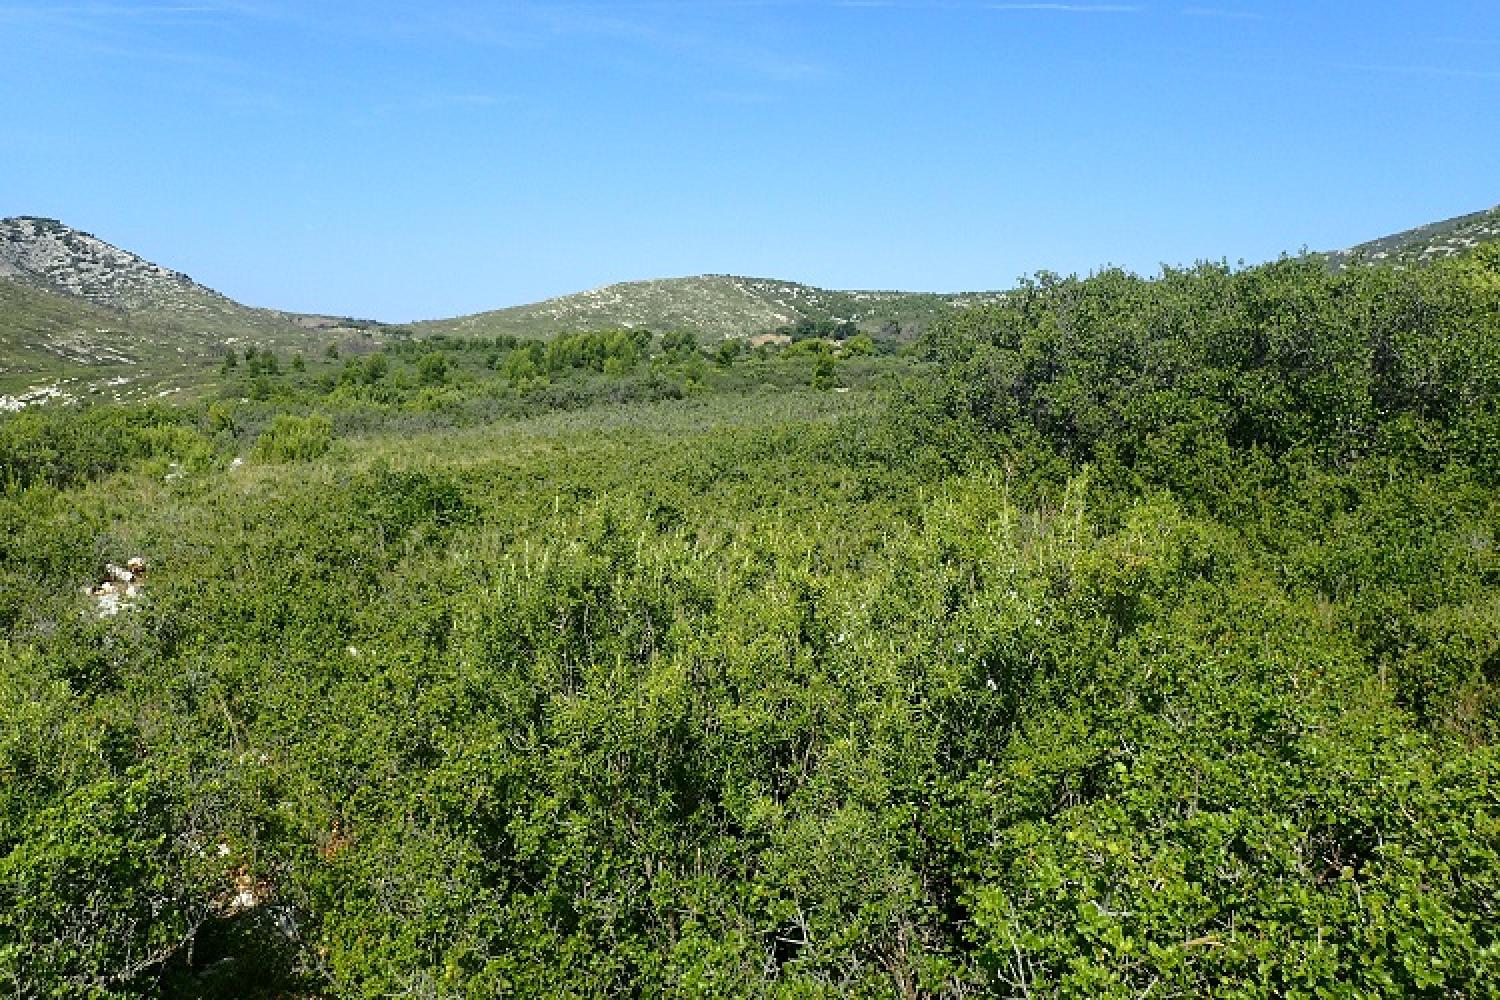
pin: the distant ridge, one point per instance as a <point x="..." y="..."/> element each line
<point x="69" y="299"/>
<point x="1426" y="244"/>
<point x="721" y="305"/>
<point x="714" y="306"/>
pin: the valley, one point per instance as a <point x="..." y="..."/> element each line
<point x="1107" y="636"/>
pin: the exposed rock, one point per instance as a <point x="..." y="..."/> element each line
<point x="246" y="893"/>
<point x="52" y="255"/>
<point x="121" y="588"/>
<point x="35" y="396"/>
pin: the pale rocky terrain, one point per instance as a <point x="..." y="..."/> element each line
<point x="714" y="306"/>
<point x="82" y="317"/>
<point x="1425" y="244"/>
<point x="48" y="254"/>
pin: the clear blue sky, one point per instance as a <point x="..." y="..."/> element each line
<point x="408" y="159"/>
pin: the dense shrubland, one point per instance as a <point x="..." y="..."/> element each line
<point x="1144" y="640"/>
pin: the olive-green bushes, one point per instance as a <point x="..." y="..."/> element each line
<point x="294" y="439"/>
<point x="1145" y="644"/>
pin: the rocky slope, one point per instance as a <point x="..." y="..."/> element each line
<point x="1425" y="244"/>
<point x="713" y="306"/>
<point x="47" y="254"/>
<point x="72" y="304"/>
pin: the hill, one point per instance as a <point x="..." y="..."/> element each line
<point x="75" y="309"/>
<point x="717" y="306"/>
<point x="1425" y="244"/>
<point x="80" y="315"/>
<point x="714" y="306"/>
<point x="46" y="254"/>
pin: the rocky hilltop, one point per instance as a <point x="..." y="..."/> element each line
<point x="47" y="254"/>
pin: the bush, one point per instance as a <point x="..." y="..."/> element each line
<point x="65" y="447"/>
<point x="294" y="439"/>
<point x="432" y="369"/>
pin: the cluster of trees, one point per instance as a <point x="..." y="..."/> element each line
<point x="461" y="380"/>
<point x="1144" y="641"/>
<point x="1284" y="359"/>
<point x="407" y="366"/>
<point x="613" y="352"/>
<point x="809" y="328"/>
<point x="261" y="361"/>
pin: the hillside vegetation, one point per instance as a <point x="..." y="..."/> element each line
<point x="1436" y="241"/>
<point x="80" y="317"/>
<point x="1131" y="638"/>
<point x="712" y="306"/>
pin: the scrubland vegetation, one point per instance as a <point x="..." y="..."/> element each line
<point x="1126" y="638"/>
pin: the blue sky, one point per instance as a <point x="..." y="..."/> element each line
<point x="404" y="159"/>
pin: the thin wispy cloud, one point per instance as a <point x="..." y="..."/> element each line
<point x="657" y="30"/>
<point x="110" y="11"/>
<point x="1063" y="8"/>
<point x="440" y="102"/>
<point x="1070" y="8"/>
<point x="146" y="41"/>
<point x="1222" y="13"/>
<point x="136" y="34"/>
<point x="935" y="7"/>
<point x="1395" y="69"/>
<point x="737" y="98"/>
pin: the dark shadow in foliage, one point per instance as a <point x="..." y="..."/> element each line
<point x="253" y="955"/>
<point x="410" y="506"/>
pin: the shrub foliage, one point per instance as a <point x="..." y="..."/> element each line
<point x="1142" y="640"/>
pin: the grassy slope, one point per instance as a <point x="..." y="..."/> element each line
<point x="48" y="339"/>
<point x="714" y="306"/>
<point x="37" y="325"/>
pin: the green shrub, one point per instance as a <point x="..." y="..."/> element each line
<point x="432" y="369"/>
<point x="294" y="439"/>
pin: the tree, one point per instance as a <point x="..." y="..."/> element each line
<point x="520" y="364"/>
<point x="432" y="369"/>
<point x="823" y="371"/>
<point x="376" y="367"/>
<point x="679" y="343"/>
